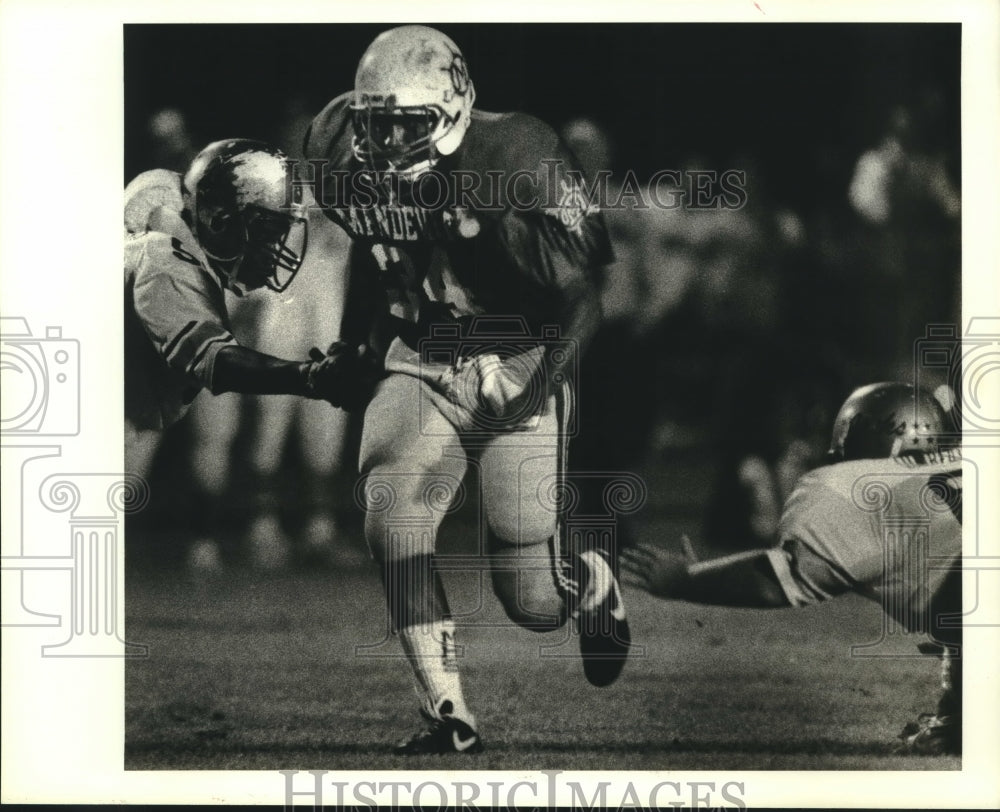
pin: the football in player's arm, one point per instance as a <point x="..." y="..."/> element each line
<point x="225" y="225"/>
<point x="504" y="291"/>
<point x="890" y="458"/>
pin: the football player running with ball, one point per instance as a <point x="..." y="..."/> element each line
<point x="883" y="519"/>
<point x="226" y="225"/>
<point x="478" y="303"/>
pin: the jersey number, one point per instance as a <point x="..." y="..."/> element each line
<point x="181" y="253"/>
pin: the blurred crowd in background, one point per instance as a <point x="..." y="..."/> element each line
<point x="730" y="338"/>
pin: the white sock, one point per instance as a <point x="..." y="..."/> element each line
<point x="430" y="650"/>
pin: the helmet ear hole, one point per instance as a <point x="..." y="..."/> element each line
<point x="217" y="235"/>
<point x="218" y="222"/>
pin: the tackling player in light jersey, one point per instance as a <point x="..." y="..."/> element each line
<point x="884" y="520"/>
<point x="226" y="224"/>
<point x="473" y="273"/>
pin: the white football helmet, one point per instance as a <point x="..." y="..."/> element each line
<point x="412" y="101"/>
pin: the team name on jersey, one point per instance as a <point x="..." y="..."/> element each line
<point x="395" y="223"/>
<point x="938" y="457"/>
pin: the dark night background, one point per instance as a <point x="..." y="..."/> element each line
<point x="803" y="99"/>
<point x="729" y="341"/>
<point x="730" y="336"/>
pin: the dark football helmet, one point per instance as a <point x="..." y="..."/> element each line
<point x="236" y="200"/>
<point x="888" y="420"/>
<point x="412" y="101"/>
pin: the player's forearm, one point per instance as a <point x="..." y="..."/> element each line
<point x="741" y="580"/>
<point x="524" y="383"/>
<point x="240" y="369"/>
<point x="578" y="316"/>
<point x="581" y="316"/>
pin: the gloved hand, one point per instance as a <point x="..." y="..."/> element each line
<point x="344" y="376"/>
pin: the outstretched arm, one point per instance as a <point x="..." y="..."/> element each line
<point x="343" y="376"/>
<point x="743" y="579"/>
<point x="240" y="369"/>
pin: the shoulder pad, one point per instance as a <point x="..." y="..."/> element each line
<point x="166" y="252"/>
<point x="330" y="132"/>
<point x="147" y="192"/>
<point x="523" y="147"/>
<point x="509" y="142"/>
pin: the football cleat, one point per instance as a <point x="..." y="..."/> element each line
<point x="933" y="735"/>
<point x="445" y="735"/>
<point x="601" y="622"/>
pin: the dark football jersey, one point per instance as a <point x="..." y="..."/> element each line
<point x="501" y="227"/>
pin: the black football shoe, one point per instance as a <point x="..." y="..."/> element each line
<point x="445" y="735"/>
<point x="601" y="621"/>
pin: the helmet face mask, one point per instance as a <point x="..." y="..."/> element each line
<point x="256" y="248"/>
<point x="235" y="197"/>
<point x="412" y="101"/>
<point x="397" y="141"/>
<point x="888" y="420"/>
<point x="276" y="244"/>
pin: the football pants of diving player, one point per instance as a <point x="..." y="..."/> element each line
<point x="413" y="456"/>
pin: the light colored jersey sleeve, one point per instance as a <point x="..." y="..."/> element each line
<point x="181" y="307"/>
<point x="148" y="192"/>
<point x="828" y="545"/>
<point x="887" y="529"/>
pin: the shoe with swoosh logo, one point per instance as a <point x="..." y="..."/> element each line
<point x="445" y="735"/>
<point x="601" y="621"/>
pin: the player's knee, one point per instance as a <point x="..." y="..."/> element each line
<point x="392" y="500"/>
<point x="529" y="599"/>
<point x="392" y="541"/>
<point x="376" y="536"/>
<point x="520" y="528"/>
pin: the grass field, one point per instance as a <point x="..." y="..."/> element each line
<point x="262" y="672"/>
